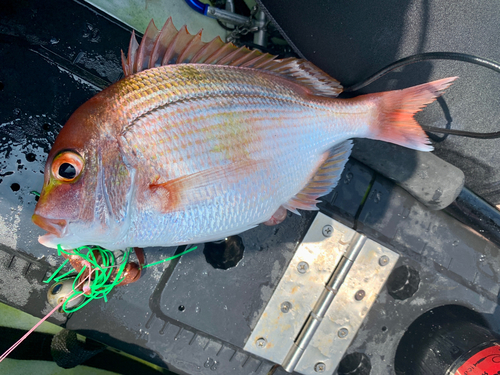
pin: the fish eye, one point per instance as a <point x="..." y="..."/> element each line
<point x="67" y="166"/>
<point x="67" y="171"/>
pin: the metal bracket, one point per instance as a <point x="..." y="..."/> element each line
<point x="322" y="299"/>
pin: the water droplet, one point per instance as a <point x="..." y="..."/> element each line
<point x="30" y="157"/>
<point x="482" y="258"/>
<point x="348" y="178"/>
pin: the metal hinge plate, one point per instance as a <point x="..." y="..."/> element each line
<point x="300" y="288"/>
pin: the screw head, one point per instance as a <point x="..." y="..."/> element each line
<point x="302" y="267"/>
<point x="383" y="260"/>
<point x="286" y="307"/>
<point x="360" y="294"/>
<point x="327" y="231"/>
<point x="320" y="367"/>
<point x="261" y="342"/>
<point x="343" y="332"/>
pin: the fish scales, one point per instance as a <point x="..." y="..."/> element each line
<point x="188" y="153"/>
<point x="283" y="107"/>
<point x="226" y="121"/>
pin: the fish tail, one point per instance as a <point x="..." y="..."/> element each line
<point x="395" y="122"/>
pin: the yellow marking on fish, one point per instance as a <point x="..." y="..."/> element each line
<point x="190" y="73"/>
<point x="235" y="138"/>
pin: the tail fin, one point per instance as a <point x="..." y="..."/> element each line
<point x="395" y="122"/>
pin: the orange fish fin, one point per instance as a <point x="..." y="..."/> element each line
<point x="396" y="109"/>
<point x="129" y="61"/>
<point x="170" y="46"/>
<point x="175" y="195"/>
<point x="146" y="47"/>
<point x="277" y="217"/>
<point x="164" y="39"/>
<point x="323" y="181"/>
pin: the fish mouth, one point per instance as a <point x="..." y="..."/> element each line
<point x="54" y="227"/>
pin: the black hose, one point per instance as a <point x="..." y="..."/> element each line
<point x="462" y="133"/>
<point x="490" y="64"/>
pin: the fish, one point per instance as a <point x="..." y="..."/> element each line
<point x="200" y="141"/>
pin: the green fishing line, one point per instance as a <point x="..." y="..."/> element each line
<point x="56" y="271"/>
<point x="99" y="283"/>
<point x="100" y="274"/>
<point x="167" y="259"/>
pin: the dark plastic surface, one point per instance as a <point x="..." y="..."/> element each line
<point x="228" y="303"/>
<point x="440" y="338"/>
<point x="351" y="40"/>
<point x="433" y="181"/>
<point x="477" y="214"/>
<point x="454" y="263"/>
<point x="355" y="364"/>
<point x="345" y="201"/>
<point x="44" y="46"/>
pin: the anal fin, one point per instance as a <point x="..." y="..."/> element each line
<point x="323" y="181"/>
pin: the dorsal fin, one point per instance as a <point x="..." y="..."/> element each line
<point x="172" y="46"/>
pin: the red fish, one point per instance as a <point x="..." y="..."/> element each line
<point x="204" y="140"/>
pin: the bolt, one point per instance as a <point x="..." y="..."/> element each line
<point x="286" y="307"/>
<point x="320" y="367"/>
<point x="327" y="231"/>
<point x="384" y="260"/>
<point x="261" y="342"/>
<point x="360" y="294"/>
<point x="343" y="332"/>
<point x="302" y="267"/>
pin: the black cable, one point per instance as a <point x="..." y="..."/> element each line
<point x="490" y="64"/>
<point x="461" y="133"/>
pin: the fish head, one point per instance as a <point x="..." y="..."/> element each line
<point x="81" y="202"/>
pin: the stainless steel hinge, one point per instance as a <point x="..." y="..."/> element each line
<point x="322" y="299"/>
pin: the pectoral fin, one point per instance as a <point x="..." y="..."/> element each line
<point x="177" y="194"/>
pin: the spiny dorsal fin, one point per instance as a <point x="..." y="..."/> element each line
<point x="172" y="46"/>
<point x="323" y="181"/>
